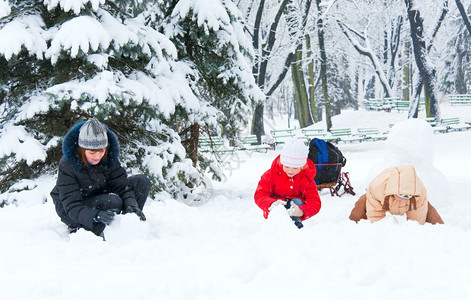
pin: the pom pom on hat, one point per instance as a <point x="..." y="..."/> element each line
<point x="294" y="154"/>
<point x="92" y="135"/>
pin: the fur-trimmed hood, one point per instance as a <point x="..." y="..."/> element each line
<point x="70" y="148"/>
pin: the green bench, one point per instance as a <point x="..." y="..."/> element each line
<point x="213" y="141"/>
<point x="454" y="124"/>
<point x="390" y="103"/>
<point x="371" y="134"/>
<point x="459" y="99"/>
<point x="343" y="135"/>
<point x="450" y="124"/>
<point x="401" y="105"/>
<point x="431" y="121"/>
<point x="314" y="133"/>
<point x="386" y="104"/>
<point x="250" y="143"/>
<point x="373" y="104"/>
<point x="280" y="136"/>
<point x="214" y="144"/>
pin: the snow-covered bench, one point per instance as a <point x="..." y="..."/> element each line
<point x="343" y="135"/>
<point x="281" y="136"/>
<point x="314" y="133"/>
<point x="371" y="134"/>
<point x="454" y="124"/>
<point x="459" y="99"/>
<point x="250" y="143"/>
<point x="214" y="144"/>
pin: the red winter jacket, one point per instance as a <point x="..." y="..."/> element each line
<point x="275" y="185"/>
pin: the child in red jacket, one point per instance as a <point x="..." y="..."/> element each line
<point x="290" y="182"/>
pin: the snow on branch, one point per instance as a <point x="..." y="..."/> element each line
<point x="25" y="32"/>
<point x="73" y="5"/>
<point x="16" y="140"/>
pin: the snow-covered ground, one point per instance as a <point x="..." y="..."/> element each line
<point x="225" y="249"/>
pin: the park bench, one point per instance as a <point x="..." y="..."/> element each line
<point x="373" y="104"/>
<point x="431" y="121"/>
<point x="214" y="144"/>
<point x="390" y="103"/>
<point x="454" y="124"/>
<point x="386" y="104"/>
<point x="250" y="143"/>
<point x="343" y="135"/>
<point x="459" y="99"/>
<point x="401" y="105"/>
<point x="314" y="133"/>
<point x="281" y="136"/>
<point x="371" y="134"/>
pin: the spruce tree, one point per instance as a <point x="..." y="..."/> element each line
<point x="67" y="61"/>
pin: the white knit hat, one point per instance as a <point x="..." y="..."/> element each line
<point x="294" y="154"/>
<point x="92" y="135"/>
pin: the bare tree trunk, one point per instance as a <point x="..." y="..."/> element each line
<point x="325" y="93"/>
<point x="257" y="121"/>
<point x="460" y="72"/>
<point x="368" y="53"/>
<point x="255" y="38"/>
<point x="414" y="107"/>
<point x="406" y="72"/>
<point x="300" y="93"/>
<point x="311" y="79"/>
<point x="432" y="108"/>
<point x="282" y="75"/>
<point x="267" y="48"/>
<point x="260" y="68"/>
<point x="394" y="47"/>
<point x="464" y="15"/>
<point x="195" y="136"/>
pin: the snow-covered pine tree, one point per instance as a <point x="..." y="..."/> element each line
<point x="64" y="61"/>
<point x="209" y="37"/>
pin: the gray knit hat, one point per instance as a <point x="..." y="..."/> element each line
<point x="93" y="135"/>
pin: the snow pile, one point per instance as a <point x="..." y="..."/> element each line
<point x="412" y="142"/>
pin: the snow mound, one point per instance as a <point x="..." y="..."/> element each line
<point x="412" y="142"/>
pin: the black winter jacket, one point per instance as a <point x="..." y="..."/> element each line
<point x="76" y="182"/>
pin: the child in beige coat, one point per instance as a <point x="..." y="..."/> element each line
<point x="399" y="191"/>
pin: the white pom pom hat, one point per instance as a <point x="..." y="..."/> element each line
<point x="294" y="154"/>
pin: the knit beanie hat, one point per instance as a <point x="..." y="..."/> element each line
<point x="92" y="135"/>
<point x="294" y="154"/>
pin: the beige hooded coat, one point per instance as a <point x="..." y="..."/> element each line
<point x="398" y="180"/>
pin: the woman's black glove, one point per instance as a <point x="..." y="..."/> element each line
<point x="136" y="210"/>
<point x="104" y="216"/>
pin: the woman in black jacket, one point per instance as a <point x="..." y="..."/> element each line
<point x="91" y="185"/>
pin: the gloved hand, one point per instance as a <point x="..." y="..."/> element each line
<point x="295" y="211"/>
<point x="104" y="216"/>
<point x="277" y="202"/>
<point x="136" y="210"/>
